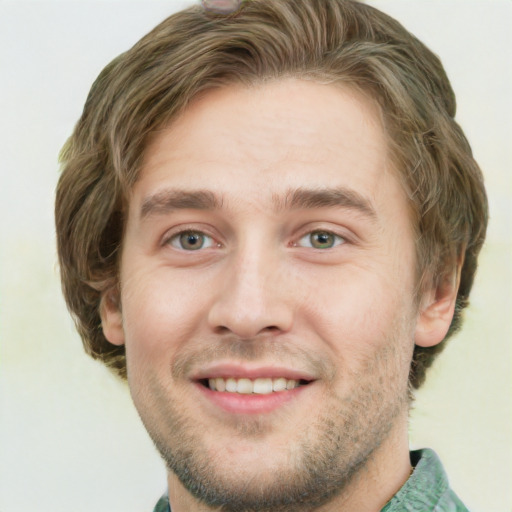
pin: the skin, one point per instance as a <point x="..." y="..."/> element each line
<point x="260" y="295"/>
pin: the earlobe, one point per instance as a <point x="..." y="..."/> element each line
<point x="111" y="318"/>
<point x="437" y="309"/>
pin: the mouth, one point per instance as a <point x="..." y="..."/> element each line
<point x="246" y="386"/>
<point x="239" y="390"/>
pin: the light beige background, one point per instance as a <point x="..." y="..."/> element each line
<point x="70" y="439"/>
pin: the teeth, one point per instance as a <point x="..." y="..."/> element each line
<point x="231" y="385"/>
<point x="290" y="384"/>
<point x="279" y="384"/>
<point x="244" y="386"/>
<point x="220" y="384"/>
<point x="260" y="386"/>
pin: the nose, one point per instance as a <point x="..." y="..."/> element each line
<point x="254" y="297"/>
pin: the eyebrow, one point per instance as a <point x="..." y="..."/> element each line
<point x="166" y="201"/>
<point x="302" y="198"/>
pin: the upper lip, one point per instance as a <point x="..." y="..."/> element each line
<point x="238" y="371"/>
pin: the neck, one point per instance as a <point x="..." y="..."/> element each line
<point x="371" y="488"/>
<point x="380" y="479"/>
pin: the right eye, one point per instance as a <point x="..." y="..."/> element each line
<point x="320" y="239"/>
<point x="191" y="241"/>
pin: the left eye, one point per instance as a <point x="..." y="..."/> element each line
<point x="191" y="241"/>
<point x="320" y="240"/>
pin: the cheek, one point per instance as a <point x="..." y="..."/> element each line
<point x="160" y="313"/>
<point x="359" y="309"/>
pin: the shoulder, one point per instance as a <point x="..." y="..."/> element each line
<point x="427" y="489"/>
<point x="163" y="504"/>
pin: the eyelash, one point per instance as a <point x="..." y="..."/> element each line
<point x="175" y="240"/>
<point x="177" y="237"/>
<point x="337" y="239"/>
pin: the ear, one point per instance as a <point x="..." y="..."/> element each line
<point x="437" y="309"/>
<point x="111" y="317"/>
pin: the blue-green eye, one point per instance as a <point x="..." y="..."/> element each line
<point x="320" y="240"/>
<point x="191" y="241"/>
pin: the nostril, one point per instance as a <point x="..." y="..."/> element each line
<point x="221" y="329"/>
<point x="237" y="314"/>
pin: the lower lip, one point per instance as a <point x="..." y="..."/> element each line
<point x="239" y="403"/>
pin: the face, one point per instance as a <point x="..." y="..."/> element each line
<point x="267" y="295"/>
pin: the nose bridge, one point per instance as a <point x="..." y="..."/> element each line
<point x="253" y="296"/>
<point x="254" y="279"/>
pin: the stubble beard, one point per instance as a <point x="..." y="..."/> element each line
<point x="333" y="451"/>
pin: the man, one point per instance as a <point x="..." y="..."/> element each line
<point x="268" y="221"/>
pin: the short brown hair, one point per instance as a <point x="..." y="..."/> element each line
<point x="340" y="41"/>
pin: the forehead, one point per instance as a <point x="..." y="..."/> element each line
<point x="258" y="143"/>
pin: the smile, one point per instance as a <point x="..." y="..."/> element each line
<point x="248" y="389"/>
<point x="260" y="386"/>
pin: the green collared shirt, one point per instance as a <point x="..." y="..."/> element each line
<point x="426" y="490"/>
